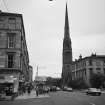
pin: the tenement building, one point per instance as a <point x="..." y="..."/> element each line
<point x="30" y="73"/>
<point x="83" y="68"/>
<point x="14" y="58"/>
<point x="67" y="52"/>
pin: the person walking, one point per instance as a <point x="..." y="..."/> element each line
<point x="37" y="90"/>
<point x="29" y="90"/>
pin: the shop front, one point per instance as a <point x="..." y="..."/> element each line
<point x="8" y="85"/>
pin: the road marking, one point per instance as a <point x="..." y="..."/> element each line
<point x="92" y="104"/>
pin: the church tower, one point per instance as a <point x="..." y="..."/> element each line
<point x="67" y="52"/>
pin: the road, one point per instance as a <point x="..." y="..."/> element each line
<point x="61" y="98"/>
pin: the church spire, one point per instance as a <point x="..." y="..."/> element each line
<point x="67" y="52"/>
<point x="66" y="34"/>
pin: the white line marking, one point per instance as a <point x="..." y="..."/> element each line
<point x="92" y="104"/>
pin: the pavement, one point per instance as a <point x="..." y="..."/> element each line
<point x="31" y="95"/>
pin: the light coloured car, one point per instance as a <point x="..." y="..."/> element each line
<point x="46" y="89"/>
<point x="67" y="89"/>
<point x="93" y="91"/>
<point x="58" y="89"/>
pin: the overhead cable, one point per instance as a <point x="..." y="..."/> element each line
<point x="5" y="5"/>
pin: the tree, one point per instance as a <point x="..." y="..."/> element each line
<point x="78" y="84"/>
<point x="97" y="80"/>
<point x="53" y="81"/>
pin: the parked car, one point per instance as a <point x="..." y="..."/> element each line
<point x="46" y="89"/>
<point x="93" y="91"/>
<point x="58" y="89"/>
<point x="67" y="89"/>
<point x="53" y="88"/>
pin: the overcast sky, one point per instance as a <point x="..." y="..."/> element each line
<point x="44" y="27"/>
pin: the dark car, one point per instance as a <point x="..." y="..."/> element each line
<point x="53" y="88"/>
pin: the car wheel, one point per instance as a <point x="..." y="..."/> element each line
<point x="99" y="94"/>
<point x="94" y="94"/>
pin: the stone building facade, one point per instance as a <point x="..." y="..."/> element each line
<point x="30" y="73"/>
<point x="83" y="68"/>
<point x="14" y="58"/>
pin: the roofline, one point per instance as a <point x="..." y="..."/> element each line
<point x="89" y="57"/>
<point x="9" y="14"/>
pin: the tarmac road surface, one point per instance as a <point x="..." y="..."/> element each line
<point x="59" y="98"/>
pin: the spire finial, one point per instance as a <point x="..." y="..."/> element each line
<point x="66" y="23"/>
<point x="66" y="2"/>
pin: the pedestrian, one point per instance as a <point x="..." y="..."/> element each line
<point x="7" y="91"/>
<point x="23" y="90"/>
<point x="29" y="90"/>
<point x="37" y="91"/>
